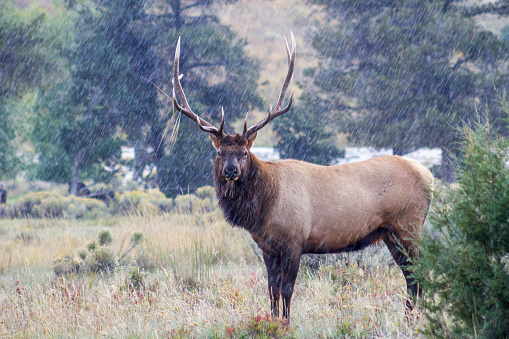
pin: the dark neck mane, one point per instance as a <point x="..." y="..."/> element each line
<point x="247" y="201"/>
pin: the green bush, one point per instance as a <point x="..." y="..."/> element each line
<point x="98" y="257"/>
<point x="205" y="192"/>
<point x="127" y="202"/>
<point x="101" y="260"/>
<point x="53" y="205"/>
<point x="163" y="205"/>
<point x="85" y="208"/>
<point x="66" y="265"/>
<point x="204" y="205"/>
<point x="260" y="326"/>
<point x="185" y="203"/>
<point x="24" y="206"/>
<point x="135" y="279"/>
<point x="463" y="268"/>
<point x="150" y="202"/>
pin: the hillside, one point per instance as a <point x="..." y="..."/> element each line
<point x="264" y="24"/>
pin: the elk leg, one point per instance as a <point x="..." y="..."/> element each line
<point x="290" y="263"/>
<point x="273" y="265"/>
<point x="402" y="260"/>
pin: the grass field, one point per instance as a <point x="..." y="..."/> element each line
<point x="198" y="278"/>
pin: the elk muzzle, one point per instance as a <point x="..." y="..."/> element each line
<point x="231" y="172"/>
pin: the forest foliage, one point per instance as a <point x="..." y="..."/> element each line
<point x="463" y="269"/>
<point x="79" y="84"/>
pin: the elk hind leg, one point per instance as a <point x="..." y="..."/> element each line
<point x="290" y="261"/>
<point x="402" y="251"/>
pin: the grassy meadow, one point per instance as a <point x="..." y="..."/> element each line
<point x="192" y="276"/>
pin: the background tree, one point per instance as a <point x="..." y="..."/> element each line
<point x="122" y="48"/>
<point x="28" y="45"/>
<point x="217" y="73"/>
<point x="404" y="74"/>
<point x="308" y="134"/>
<point x="78" y="119"/>
<point x="500" y="7"/>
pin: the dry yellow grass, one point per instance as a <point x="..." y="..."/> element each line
<point x="205" y="277"/>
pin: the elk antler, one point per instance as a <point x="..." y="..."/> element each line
<point x="185" y="108"/>
<point x="277" y="111"/>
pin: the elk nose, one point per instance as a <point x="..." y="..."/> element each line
<point x="230" y="171"/>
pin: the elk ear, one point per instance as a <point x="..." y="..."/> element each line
<point x="215" y="141"/>
<point x="251" y="140"/>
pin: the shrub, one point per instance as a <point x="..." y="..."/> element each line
<point x="98" y="257"/>
<point x="185" y="203"/>
<point x="25" y="205"/>
<point x="163" y="205"/>
<point x="149" y="202"/>
<point x="101" y="260"/>
<point x="204" y="205"/>
<point x="127" y="202"/>
<point x="105" y="238"/>
<point x="53" y="205"/>
<point x="45" y="204"/>
<point x="66" y="265"/>
<point x="463" y="268"/>
<point x="205" y="192"/>
<point x="135" y="279"/>
<point x="260" y="326"/>
<point x="86" y="208"/>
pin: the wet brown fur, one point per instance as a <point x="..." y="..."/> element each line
<point x="245" y="202"/>
<point x="292" y="207"/>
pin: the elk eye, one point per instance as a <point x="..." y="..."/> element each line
<point x="218" y="153"/>
<point x="245" y="154"/>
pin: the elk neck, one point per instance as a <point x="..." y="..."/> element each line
<point x="247" y="201"/>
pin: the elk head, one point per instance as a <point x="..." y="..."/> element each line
<point x="233" y="151"/>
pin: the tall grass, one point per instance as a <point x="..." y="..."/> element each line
<point x="198" y="278"/>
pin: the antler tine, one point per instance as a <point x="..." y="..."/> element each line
<point x="185" y="108"/>
<point x="222" y="121"/>
<point x="245" y="125"/>
<point x="277" y="111"/>
<point x="291" y="63"/>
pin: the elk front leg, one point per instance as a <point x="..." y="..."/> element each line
<point x="273" y="265"/>
<point x="290" y="262"/>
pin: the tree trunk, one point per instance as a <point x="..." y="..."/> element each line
<point x="448" y="168"/>
<point x="140" y="161"/>
<point x="398" y="150"/>
<point x="157" y="143"/>
<point x="78" y="161"/>
<point x="177" y="14"/>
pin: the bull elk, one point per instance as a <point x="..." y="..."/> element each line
<point x="293" y="207"/>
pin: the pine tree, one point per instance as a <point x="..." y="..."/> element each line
<point x="76" y="128"/>
<point x="306" y="134"/>
<point x="404" y="74"/>
<point x="122" y="48"/>
<point x="28" y="48"/>
<point x="463" y="269"/>
<point x="217" y="72"/>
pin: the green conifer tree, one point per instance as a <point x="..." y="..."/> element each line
<point x="404" y="74"/>
<point x="463" y="269"/>
<point x="28" y="47"/>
